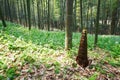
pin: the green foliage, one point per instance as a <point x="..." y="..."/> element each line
<point x="110" y="43"/>
<point x="99" y="69"/>
<point x="28" y="59"/>
<point x="71" y="53"/>
<point x="115" y="64"/>
<point x="3" y="66"/>
<point x="94" y="76"/>
<point x="2" y="77"/>
<point x="11" y="73"/>
<point x="23" y="48"/>
<point x="55" y="40"/>
<point x="57" y="70"/>
<point x="57" y="67"/>
<point x="12" y="47"/>
<point x="1" y="63"/>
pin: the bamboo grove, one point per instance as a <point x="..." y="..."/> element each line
<point x="50" y="14"/>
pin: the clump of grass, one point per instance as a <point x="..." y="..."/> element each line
<point x="93" y="77"/>
<point x="11" y="73"/>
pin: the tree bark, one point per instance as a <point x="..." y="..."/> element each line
<point x="68" y="24"/>
<point x="81" y="16"/>
<point x="114" y="18"/>
<point x="9" y="10"/>
<point x="38" y="13"/>
<point x="2" y="18"/>
<point x="97" y="24"/>
<point x="25" y="12"/>
<point x="29" y="14"/>
<point x="48" y="22"/>
<point x="75" y="21"/>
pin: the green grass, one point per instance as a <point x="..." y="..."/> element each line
<point x="110" y="43"/>
<point x="20" y="47"/>
<point x="55" y="40"/>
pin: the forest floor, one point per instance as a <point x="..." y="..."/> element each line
<point x="23" y="59"/>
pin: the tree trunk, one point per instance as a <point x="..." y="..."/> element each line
<point x="87" y="17"/>
<point x="9" y="10"/>
<point x="91" y="20"/>
<point x="18" y="7"/>
<point x="114" y="18"/>
<point x="97" y="24"/>
<point x="33" y="14"/>
<point x="81" y="16"/>
<point x="75" y="22"/>
<point x="38" y="13"/>
<point x="2" y="18"/>
<point x="29" y="14"/>
<point x="21" y="12"/>
<point x="48" y="22"/>
<point x="68" y="24"/>
<point x="25" y="12"/>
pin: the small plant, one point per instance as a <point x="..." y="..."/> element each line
<point x="70" y="53"/>
<point x="93" y="77"/>
<point x="2" y="77"/>
<point x="57" y="67"/>
<point x="3" y="66"/>
<point x="115" y="64"/>
<point x="11" y="73"/>
<point x="13" y="47"/>
<point x="99" y="69"/>
<point x="57" y="70"/>
<point x="29" y="59"/>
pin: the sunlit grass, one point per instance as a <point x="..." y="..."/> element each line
<point x="55" y="39"/>
<point x="20" y="47"/>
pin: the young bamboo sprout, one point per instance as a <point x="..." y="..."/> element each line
<point x="82" y="58"/>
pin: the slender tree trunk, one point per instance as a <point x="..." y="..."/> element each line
<point x="81" y="16"/>
<point x="2" y="18"/>
<point x="6" y="11"/>
<point x="61" y="14"/>
<point x="14" y="13"/>
<point x="42" y="14"/>
<point x="29" y="14"/>
<point x="114" y="18"/>
<point x="68" y="24"/>
<point x="38" y="13"/>
<point x="33" y="14"/>
<point x="97" y="24"/>
<point x="75" y="22"/>
<point x="25" y="12"/>
<point x="21" y="13"/>
<point x="87" y="17"/>
<point x="48" y="22"/>
<point x="9" y="10"/>
<point x="91" y="21"/>
<point x="19" y="18"/>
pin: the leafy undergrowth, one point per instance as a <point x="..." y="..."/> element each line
<point x="55" y="39"/>
<point x="28" y="61"/>
<point x="40" y="55"/>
